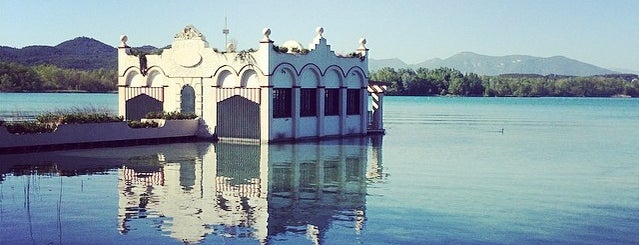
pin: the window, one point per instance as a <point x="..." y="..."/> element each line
<point x="331" y="102"/>
<point x="282" y="102"/>
<point x="308" y="102"/>
<point x="353" y="101"/>
<point x="187" y="99"/>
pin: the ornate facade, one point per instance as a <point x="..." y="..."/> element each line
<point x="274" y="93"/>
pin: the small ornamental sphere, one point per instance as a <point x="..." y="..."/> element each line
<point x="266" y="31"/>
<point x="362" y="41"/>
<point x="230" y="47"/>
<point x="124" y="38"/>
<point x="319" y="30"/>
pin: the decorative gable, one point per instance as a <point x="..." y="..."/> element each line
<point x="189" y="33"/>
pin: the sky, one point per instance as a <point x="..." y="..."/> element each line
<point x="601" y="32"/>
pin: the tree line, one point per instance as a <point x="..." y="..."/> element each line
<point x="16" y="77"/>
<point x="447" y="81"/>
<point x="404" y="81"/>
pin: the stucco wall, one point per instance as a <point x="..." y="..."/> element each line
<point x="352" y="125"/>
<point x="98" y="132"/>
<point x="331" y="125"/>
<point x="308" y="127"/>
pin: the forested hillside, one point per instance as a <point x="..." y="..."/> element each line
<point x="16" y="77"/>
<point x="80" y="64"/>
<point x="81" y="53"/>
<point x="447" y="81"/>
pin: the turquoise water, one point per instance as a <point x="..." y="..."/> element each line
<point x="25" y="106"/>
<point x="449" y="170"/>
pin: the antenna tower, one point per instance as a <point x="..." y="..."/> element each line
<point x="225" y="31"/>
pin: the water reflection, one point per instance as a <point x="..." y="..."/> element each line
<point x="190" y="192"/>
<point x="251" y="191"/>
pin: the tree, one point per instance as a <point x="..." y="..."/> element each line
<point x="14" y="77"/>
<point x="475" y="85"/>
<point x="388" y="74"/>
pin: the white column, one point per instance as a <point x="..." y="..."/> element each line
<point x="296" y="92"/>
<point x="211" y="107"/>
<point x="379" y="114"/>
<point x="342" y="109"/>
<point x="266" y="113"/>
<point x="363" y="109"/>
<point x="321" y="100"/>
<point x="199" y="100"/>
<point x="122" y="100"/>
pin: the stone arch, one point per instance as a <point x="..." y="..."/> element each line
<point x="333" y="78"/>
<point x="355" y="79"/>
<point x="155" y="78"/>
<point x="135" y="79"/>
<point x="226" y="79"/>
<point x="249" y="79"/>
<point x="309" y="77"/>
<point x="284" y="77"/>
<point x="187" y="99"/>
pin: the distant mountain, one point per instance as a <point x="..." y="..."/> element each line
<point x="87" y="54"/>
<point x="80" y="53"/>
<point x="146" y="48"/>
<point x="495" y="65"/>
<point x="374" y="65"/>
<point x="626" y="71"/>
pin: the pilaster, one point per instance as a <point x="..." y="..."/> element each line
<point x="342" y="110"/>
<point x="321" y="105"/>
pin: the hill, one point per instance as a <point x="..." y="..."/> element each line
<point x="374" y="65"/>
<point x="495" y="65"/>
<point x="81" y="53"/>
<point x="86" y="53"/>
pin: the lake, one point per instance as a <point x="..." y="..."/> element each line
<point x="25" y="106"/>
<point x="448" y="170"/>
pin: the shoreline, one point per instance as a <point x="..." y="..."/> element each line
<point x="622" y="96"/>
<point x="61" y="92"/>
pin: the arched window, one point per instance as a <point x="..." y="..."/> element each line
<point x="187" y="104"/>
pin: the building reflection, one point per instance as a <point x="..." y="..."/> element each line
<point x="260" y="192"/>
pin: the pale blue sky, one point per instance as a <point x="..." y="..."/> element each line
<point x="603" y="33"/>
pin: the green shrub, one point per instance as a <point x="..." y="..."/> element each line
<point x="154" y="115"/>
<point x="280" y="49"/>
<point x="138" y="124"/>
<point x="77" y="115"/>
<point x="48" y="122"/>
<point x="89" y="118"/>
<point x="29" y="127"/>
<point x="175" y="115"/>
<point x="300" y="51"/>
<point x="48" y="117"/>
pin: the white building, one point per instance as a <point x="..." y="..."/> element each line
<point x="274" y="93"/>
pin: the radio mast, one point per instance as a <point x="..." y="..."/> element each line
<point x="225" y="31"/>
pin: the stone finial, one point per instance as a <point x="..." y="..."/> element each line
<point x="189" y="33"/>
<point x="123" y="39"/>
<point x="320" y="31"/>
<point x="267" y="33"/>
<point x="230" y="47"/>
<point x="362" y="44"/>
